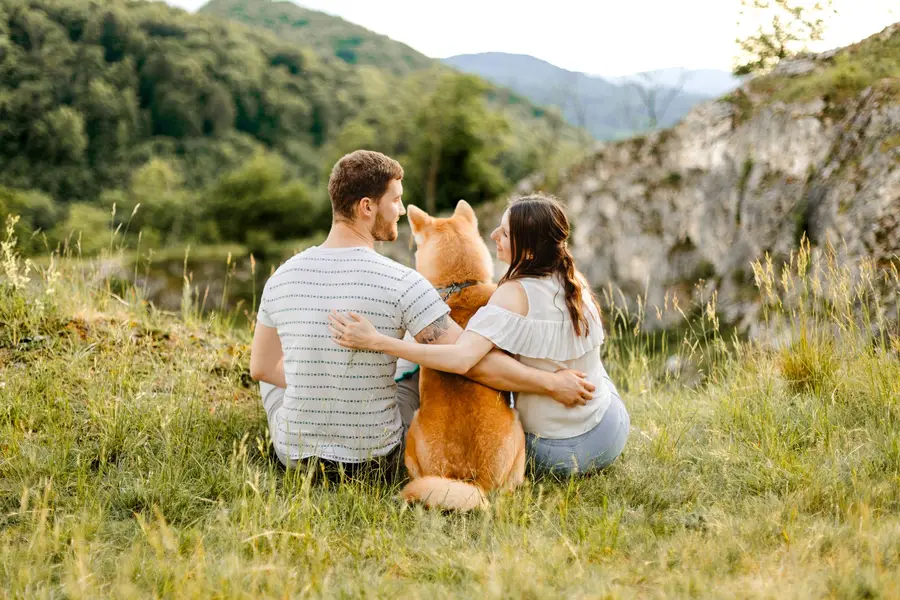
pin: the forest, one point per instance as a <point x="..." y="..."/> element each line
<point x="194" y="128"/>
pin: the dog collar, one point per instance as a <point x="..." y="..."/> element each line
<point x="453" y="288"/>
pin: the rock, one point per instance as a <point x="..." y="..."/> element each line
<point x="795" y="67"/>
<point x="673" y="366"/>
<point x="706" y="198"/>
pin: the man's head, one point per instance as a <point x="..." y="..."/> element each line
<point x="366" y="190"/>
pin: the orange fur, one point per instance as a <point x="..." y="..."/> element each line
<point x="442" y="492"/>
<point x="464" y="440"/>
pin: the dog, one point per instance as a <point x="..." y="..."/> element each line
<point x="465" y="439"/>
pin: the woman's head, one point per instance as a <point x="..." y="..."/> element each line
<point x="533" y="239"/>
<point x="532" y="233"/>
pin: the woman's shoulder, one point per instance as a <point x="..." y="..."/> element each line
<point x="511" y="296"/>
<point x="546" y="335"/>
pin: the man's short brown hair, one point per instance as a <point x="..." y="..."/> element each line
<point x="358" y="175"/>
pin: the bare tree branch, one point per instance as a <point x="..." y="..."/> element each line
<point x="655" y="98"/>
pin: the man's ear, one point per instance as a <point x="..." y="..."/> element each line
<point x="465" y="211"/>
<point x="418" y="218"/>
<point x="366" y="207"/>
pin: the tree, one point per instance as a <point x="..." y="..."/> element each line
<point x="654" y="99"/>
<point x="262" y="197"/>
<point x="458" y="148"/>
<point x="59" y="137"/>
<point x="125" y="102"/>
<point x="569" y="97"/>
<point x="38" y="213"/>
<point x="785" y="28"/>
<point x="165" y="206"/>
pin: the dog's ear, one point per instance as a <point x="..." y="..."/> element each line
<point x="465" y="211"/>
<point x="418" y="218"/>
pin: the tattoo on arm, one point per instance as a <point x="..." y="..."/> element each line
<point x="435" y="331"/>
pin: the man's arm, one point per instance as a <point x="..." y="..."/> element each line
<point x="500" y="371"/>
<point x="267" y="356"/>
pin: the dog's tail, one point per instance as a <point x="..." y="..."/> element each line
<point x="440" y="492"/>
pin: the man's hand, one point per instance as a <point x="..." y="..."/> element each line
<point x="571" y="388"/>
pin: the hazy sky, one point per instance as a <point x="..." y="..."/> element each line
<point x="603" y="37"/>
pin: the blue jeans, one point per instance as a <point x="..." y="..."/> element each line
<point x="591" y="451"/>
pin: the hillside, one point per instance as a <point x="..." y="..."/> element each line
<point x="811" y="150"/>
<point x="222" y="132"/>
<point x="135" y="463"/>
<point x="608" y="110"/>
<point x="134" y="454"/>
<point x="531" y="125"/>
<point x="323" y="33"/>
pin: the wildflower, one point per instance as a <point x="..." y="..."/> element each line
<point x="10" y="259"/>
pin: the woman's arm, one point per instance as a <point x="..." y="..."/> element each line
<point x="354" y="331"/>
<point x="502" y="372"/>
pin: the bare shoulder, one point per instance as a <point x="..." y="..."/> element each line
<point x="511" y="296"/>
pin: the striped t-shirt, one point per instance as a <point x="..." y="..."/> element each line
<point x="340" y="404"/>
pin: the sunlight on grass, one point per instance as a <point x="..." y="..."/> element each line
<point x="134" y="460"/>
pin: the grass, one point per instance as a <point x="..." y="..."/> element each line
<point x="134" y="462"/>
<point x="873" y="62"/>
<point x="851" y="71"/>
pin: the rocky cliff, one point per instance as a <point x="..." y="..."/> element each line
<point x="811" y="149"/>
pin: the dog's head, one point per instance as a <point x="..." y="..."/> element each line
<point x="450" y="250"/>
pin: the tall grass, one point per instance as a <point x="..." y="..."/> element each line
<point x="134" y="460"/>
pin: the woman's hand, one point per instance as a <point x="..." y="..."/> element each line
<point x="353" y="331"/>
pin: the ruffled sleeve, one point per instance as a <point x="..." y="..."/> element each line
<point x="533" y="338"/>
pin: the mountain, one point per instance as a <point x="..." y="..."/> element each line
<point x="323" y="33"/>
<point x="703" y="82"/>
<point x="531" y="137"/>
<point x="607" y="109"/>
<point x="523" y="70"/>
<point x="333" y="37"/>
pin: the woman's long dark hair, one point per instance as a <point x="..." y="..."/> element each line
<point x="538" y="236"/>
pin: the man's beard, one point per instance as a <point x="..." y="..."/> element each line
<point x="384" y="230"/>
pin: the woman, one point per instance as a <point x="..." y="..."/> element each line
<point x="542" y="312"/>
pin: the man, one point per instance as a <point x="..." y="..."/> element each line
<point x="337" y="404"/>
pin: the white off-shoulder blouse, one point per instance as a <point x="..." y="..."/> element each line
<point x="545" y="339"/>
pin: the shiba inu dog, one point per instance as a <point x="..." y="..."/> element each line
<point x="465" y="439"/>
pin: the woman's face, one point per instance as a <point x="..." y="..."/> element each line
<point x="501" y="238"/>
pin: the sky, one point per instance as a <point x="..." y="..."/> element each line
<point x="598" y="37"/>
